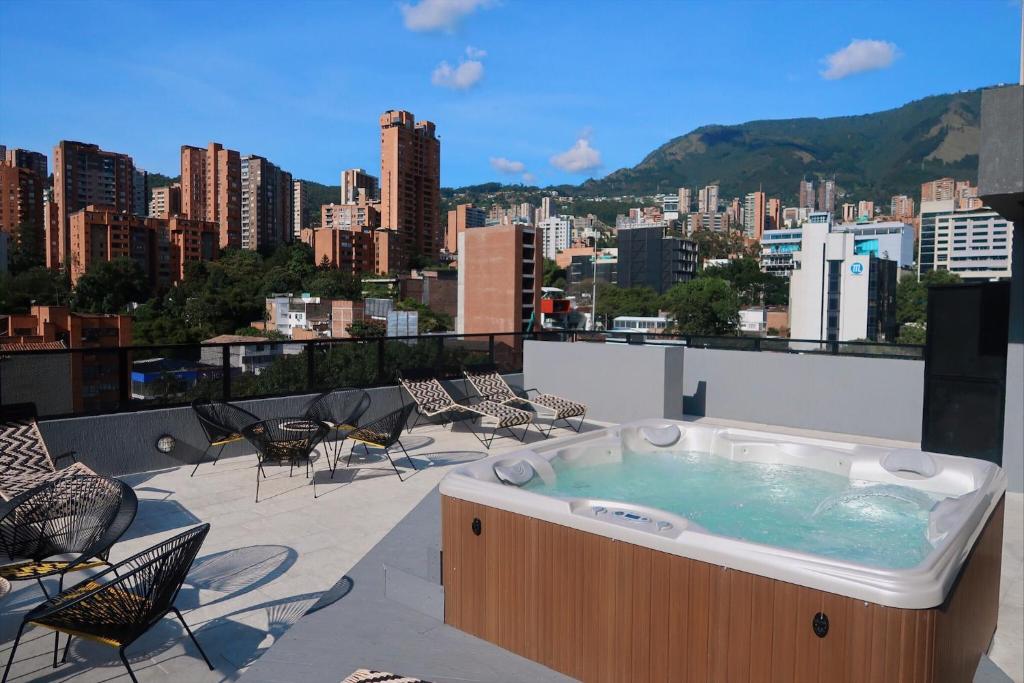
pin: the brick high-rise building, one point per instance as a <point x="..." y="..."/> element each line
<point x="302" y="212"/>
<point x="33" y="161"/>
<point x="211" y="189"/>
<point x="685" y="200"/>
<point x="827" y="196"/>
<point x="410" y="177"/>
<point x="21" y="203"/>
<point x="849" y="213"/>
<point x="357" y="185"/>
<point x="84" y="175"/>
<point x="902" y="208"/>
<point x="707" y="199"/>
<point x="807" y="194"/>
<point x="499" y="280"/>
<point x="865" y="208"/>
<point x="773" y="217"/>
<point x="938" y="190"/>
<point x="162" y="247"/>
<point x="754" y="212"/>
<point x="348" y="250"/>
<point x="166" y="201"/>
<point x="461" y="217"/>
<point x="140" y="192"/>
<point x="967" y="196"/>
<point x="357" y="216"/>
<point x="267" y="192"/>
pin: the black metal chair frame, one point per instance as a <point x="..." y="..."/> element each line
<point x="340" y="411"/>
<point x="461" y="410"/>
<point x="48" y="521"/>
<point x="384" y="432"/>
<point x="141" y="589"/>
<point x="264" y="435"/>
<point x="222" y="422"/>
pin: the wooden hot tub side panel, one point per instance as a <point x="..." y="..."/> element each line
<point x="598" y="609"/>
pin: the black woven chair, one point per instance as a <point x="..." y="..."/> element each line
<point x="25" y="462"/>
<point x="284" y="440"/>
<point x="80" y="517"/>
<point x="222" y="423"/>
<point x="340" y="411"/>
<point x="384" y="432"/>
<point x="118" y="605"/>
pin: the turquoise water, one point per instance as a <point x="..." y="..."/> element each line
<point x="779" y="505"/>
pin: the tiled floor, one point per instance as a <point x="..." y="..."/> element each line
<point x="263" y="565"/>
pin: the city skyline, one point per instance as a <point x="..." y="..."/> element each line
<point x="479" y="74"/>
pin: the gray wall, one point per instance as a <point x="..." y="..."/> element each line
<point x="124" y="443"/>
<point x="878" y="397"/>
<point x="618" y="382"/>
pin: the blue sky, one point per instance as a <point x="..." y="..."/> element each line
<point x="560" y="90"/>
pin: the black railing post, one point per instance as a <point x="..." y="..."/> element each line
<point x="757" y="343"/>
<point x="490" y="349"/>
<point x="380" y="361"/>
<point x="124" y="377"/>
<point x="225" y="368"/>
<point x="833" y="348"/>
<point x="310" y="367"/>
<point x="439" y="356"/>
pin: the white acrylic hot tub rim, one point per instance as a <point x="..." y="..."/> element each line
<point x="920" y="587"/>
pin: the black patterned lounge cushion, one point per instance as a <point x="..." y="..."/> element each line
<point x="430" y="396"/>
<point x="563" y="408"/>
<point x="369" y="676"/>
<point x="491" y="385"/>
<point x="506" y="415"/>
<point x="13" y="486"/>
<point x="24" y="460"/>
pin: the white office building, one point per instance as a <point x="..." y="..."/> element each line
<point x="975" y="244"/>
<point x="557" y="233"/>
<point x="836" y="294"/>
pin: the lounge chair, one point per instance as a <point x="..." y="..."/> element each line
<point x="340" y="411"/>
<point x="25" y="463"/>
<point x="222" y="424"/>
<point x="436" y="405"/>
<point x="492" y="386"/>
<point x="117" y="606"/>
<point x="384" y="432"/>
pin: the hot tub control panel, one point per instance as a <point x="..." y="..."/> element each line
<point x="629" y="518"/>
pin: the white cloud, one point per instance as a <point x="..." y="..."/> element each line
<point x="434" y="15"/>
<point x="461" y="77"/>
<point x="859" y="55"/>
<point x="503" y="165"/>
<point x="578" y="158"/>
<point x="475" y="52"/>
<point x="529" y="178"/>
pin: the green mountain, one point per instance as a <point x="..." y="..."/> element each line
<point x="872" y="156"/>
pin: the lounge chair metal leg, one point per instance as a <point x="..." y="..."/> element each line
<point x="43" y="587"/>
<point x="192" y="636"/>
<point x="309" y="465"/>
<point x="579" y="426"/>
<point x="258" y="470"/>
<point x="14" y="648"/>
<point x="67" y="646"/>
<point x="56" y="646"/>
<point x="411" y="462"/>
<point x="124" y="660"/>
<point x="393" y="465"/>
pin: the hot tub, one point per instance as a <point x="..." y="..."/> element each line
<point x="687" y="552"/>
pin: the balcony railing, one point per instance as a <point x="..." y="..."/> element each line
<point x="100" y="380"/>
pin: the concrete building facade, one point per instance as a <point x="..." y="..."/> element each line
<point x="649" y="258"/>
<point x="461" y="217"/>
<point x="267" y="215"/>
<point x="358" y="185"/>
<point x="211" y="189"/>
<point x="976" y="244"/>
<point x="27" y="159"/>
<point x="21" y="203"/>
<point x="707" y="199"/>
<point x="556" y="233"/>
<point x="754" y="212"/>
<point x="302" y="212"/>
<point x="499" y="280"/>
<point x="166" y="201"/>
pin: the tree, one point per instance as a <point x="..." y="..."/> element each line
<point x="553" y="275"/>
<point x="912" y="304"/>
<point x="36" y="285"/>
<point x="367" y="329"/>
<point x="613" y="301"/>
<point x="753" y="287"/>
<point x="334" y="284"/>
<point x="705" y="306"/>
<point x="719" y="245"/>
<point x="109" y="286"/>
<point x="428" y="319"/>
<point x="25" y="251"/>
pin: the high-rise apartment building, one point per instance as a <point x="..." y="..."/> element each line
<point x="33" y="161"/>
<point x="358" y="185"/>
<point x="267" y="216"/>
<point x="865" y="209"/>
<point x="348" y="250"/>
<point x="754" y="213"/>
<point x="21" y="204"/>
<point x="707" y="199"/>
<point x="938" y="190"/>
<point x="410" y="176"/>
<point x="302" y="212"/>
<point x="807" y="195"/>
<point x="849" y="213"/>
<point x="555" y="233"/>
<point x="84" y="175"/>
<point x="161" y="246"/>
<point x="685" y="200"/>
<point x="499" y="282"/>
<point x="357" y="217"/>
<point x="967" y="196"/>
<point x="548" y="208"/>
<point x="140" y="192"/>
<point x="827" y="196"/>
<point x="976" y="244"/>
<point x="461" y="217"/>
<point x="773" y="219"/>
<point x="649" y="258"/>
<point x="166" y="201"/>
<point x="902" y="207"/>
<point x="211" y="189"/>
<point x="734" y="212"/>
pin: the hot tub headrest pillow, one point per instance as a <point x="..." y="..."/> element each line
<point x="661" y="436"/>
<point x="906" y="460"/>
<point x="517" y="473"/>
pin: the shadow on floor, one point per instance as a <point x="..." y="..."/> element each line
<point x="235" y="572"/>
<point x="158" y="515"/>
